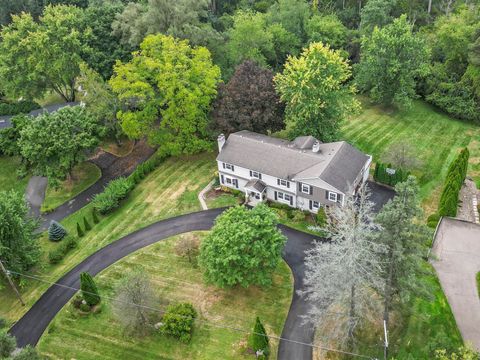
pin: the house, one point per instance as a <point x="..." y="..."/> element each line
<point x="303" y="173"/>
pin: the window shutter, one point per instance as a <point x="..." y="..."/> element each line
<point x="260" y="176"/>
<point x="233" y="168"/>
<point x="339" y="198"/>
<point x="278" y="181"/>
<point x="300" y="187"/>
<point x="311" y="189"/>
<point x="291" y="200"/>
<point x="223" y="182"/>
<point x="326" y="195"/>
<point x="223" y="165"/>
<point x="311" y="206"/>
<point x="288" y="184"/>
<point x="250" y="173"/>
<point x="235" y="182"/>
<point x="275" y="195"/>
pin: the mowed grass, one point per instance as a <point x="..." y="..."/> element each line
<point x="84" y="175"/>
<point x="8" y="175"/>
<point x="168" y="191"/>
<point x="174" y="279"/>
<point x="436" y="138"/>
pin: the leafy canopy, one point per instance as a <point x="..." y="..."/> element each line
<point x="315" y="89"/>
<point x="243" y="248"/>
<point x="166" y="91"/>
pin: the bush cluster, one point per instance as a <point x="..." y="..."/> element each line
<point x="321" y="217"/>
<point x="178" y="321"/>
<point x="456" y="174"/>
<point x="56" y="255"/>
<point x="20" y="107"/>
<point x="382" y="176"/>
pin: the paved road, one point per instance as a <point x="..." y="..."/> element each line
<point x="457" y="261"/>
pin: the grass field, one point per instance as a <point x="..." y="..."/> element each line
<point x="168" y="191"/>
<point x="84" y="175"/>
<point x="175" y="280"/>
<point x="436" y="137"/>
<point x="8" y="175"/>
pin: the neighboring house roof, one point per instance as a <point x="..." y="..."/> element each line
<point x="337" y="164"/>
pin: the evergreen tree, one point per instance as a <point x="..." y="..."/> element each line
<point x="56" y="231"/>
<point x="89" y="289"/>
<point x="258" y="339"/>
<point x="95" y="218"/>
<point x="86" y="224"/>
<point x="80" y="232"/>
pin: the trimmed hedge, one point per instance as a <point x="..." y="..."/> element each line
<point x="20" y="107"/>
<point x="382" y="176"/>
<point x="457" y="171"/>
<point x="56" y="255"/>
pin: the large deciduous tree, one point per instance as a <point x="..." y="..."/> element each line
<point x="342" y="274"/>
<point x="166" y="92"/>
<point x="44" y="56"/>
<point x="243" y="248"/>
<point x="315" y="89"/>
<point x="19" y="249"/>
<point x="53" y="143"/>
<point x="248" y="102"/>
<point x="391" y="60"/>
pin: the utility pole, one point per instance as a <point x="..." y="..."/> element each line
<point x="7" y="275"/>
<point x="385" y="344"/>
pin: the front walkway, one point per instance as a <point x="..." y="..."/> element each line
<point x="457" y="260"/>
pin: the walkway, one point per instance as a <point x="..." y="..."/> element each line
<point x="457" y="252"/>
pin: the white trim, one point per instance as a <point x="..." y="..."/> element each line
<point x="282" y="197"/>
<point x="302" y="189"/>
<point x="283" y="182"/>
<point x="330" y="193"/>
<point x="229" y="166"/>
<point x="317" y="206"/>
<point x="255" y="174"/>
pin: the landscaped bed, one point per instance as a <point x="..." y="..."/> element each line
<point x="174" y="279"/>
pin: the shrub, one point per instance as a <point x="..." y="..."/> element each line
<point x="20" y="107"/>
<point x="258" y="340"/>
<point x="56" y="255"/>
<point x="56" y="232"/>
<point x="80" y="232"/>
<point x="3" y="323"/>
<point x="27" y="353"/>
<point x="382" y="176"/>
<point x="7" y="344"/>
<point x="86" y="224"/>
<point x="298" y="215"/>
<point x="110" y="198"/>
<point x="178" y="321"/>
<point x="321" y="217"/>
<point x="188" y="247"/>
<point x="433" y="220"/>
<point x="84" y="307"/>
<point x="95" y="218"/>
<point x="89" y="289"/>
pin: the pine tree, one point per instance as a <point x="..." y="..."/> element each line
<point x="56" y="232"/>
<point x="89" y="289"/>
<point x="95" y="218"/>
<point x="86" y="224"/>
<point x="80" y="232"/>
<point x="258" y="339"/>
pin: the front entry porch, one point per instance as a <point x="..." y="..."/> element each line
<point x="255" y="192"/>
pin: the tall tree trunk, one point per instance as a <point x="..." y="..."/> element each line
<point x="351" y="320"/>
<point x="388" y="288"/>
<point x="429" y="10"/>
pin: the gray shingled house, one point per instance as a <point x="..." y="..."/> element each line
<point x="303" y="173"/>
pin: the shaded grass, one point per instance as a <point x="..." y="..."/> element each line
<point x="111" y="146"/>
<point x="168" y="191"/>
<point x="435" y="136"/>
<point x="8" y="175"/>
<point x="174" y="279"/>
<point x="84" y="175"/>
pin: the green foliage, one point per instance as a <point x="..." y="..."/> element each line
<point x="7" y="344"/>
<point x="56" y="231"/>
<point x="382" y="176"/>
<point x="376" y="13"/>
<point x="57" y="255"/>
<point x="28" y="353"/>
<point x="391" y="60"/>
<point x="3" y="323"/>
<point x="53" y="143"/>
<point x="258" y="339"/>
<point x="170" y="81"/>
<point x="243" y="248"/>
<point x="463" y="353"/>
<point x="80" y="232"/>
<point x="456" y="174"/>
<point x="433" y="220"/>
<point x="89" y="289"/>
<point x="19" y="107"/>
<point x="292" y="15"/>
<point x="114" y="192"/>
<point x="314" y="88"/>
<point x="19" y="249"/>
<point x="86" y="224"/>
<point x="327" y="29"/>
<point x="178" y="321"/>
<point x="36" y="57"/>
<point x="95" y="218"/>
<point x="321" y="217"/>
<point x="9" y="136"/>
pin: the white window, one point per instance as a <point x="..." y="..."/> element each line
<point x="315" y="204"/>
<point x="228" y="181"/>
<point x="305" y="189"/>
<point x="285" y="198"/>
<point x="332" y="196"/>
<point x="229" y="166"/>
<point x="283" y="183"/>
<point x="255" y="174"/>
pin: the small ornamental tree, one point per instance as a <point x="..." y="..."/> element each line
<point x="7" y="344"/>
<point x="56" y="232"/>
<point x="80" y="232"/>
<point x="178" y="321"/>
<point x="243" y="248"/>
<point x="95" y="218"/>
<point x="86" y="224"/>
<point x="89" y="289"/>
<point x="258" y="340"/>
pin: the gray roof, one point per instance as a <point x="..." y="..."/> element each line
<point x="256" y="184"/>
<point x="337" y="163"/>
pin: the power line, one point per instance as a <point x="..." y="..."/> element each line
<point x="222" y="326"/>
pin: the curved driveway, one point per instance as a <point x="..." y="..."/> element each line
<point x="31" y="326"/>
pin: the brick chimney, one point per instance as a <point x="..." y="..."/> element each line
<point x="221" y="142"/>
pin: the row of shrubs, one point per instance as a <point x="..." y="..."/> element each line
<point x="19" y="107"/>
<point x="382" y="176"/>
<point x="118" y="189"/>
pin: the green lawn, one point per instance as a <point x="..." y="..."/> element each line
<point x="168" y="191"/>
<point x="84" y="175"/>
<point x="174" y="280"/>
<point x="436" y="136"/>
<point x="8" y="175"/>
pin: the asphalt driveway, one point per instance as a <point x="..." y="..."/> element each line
<point x="456" y="253"/>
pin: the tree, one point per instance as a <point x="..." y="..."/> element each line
<point x="188" y="247"/>
<point x="315" y="91"/>
<point x="9" y="136"/>
<point x="14" y="7"/>
<point x="134" y="302"/>
<point x="248" y="102"/>
<point x="45" y="56"/>
<point x="327" y="29"/>
<point x="86" y="224"/>
<point x="27" y="353"/>
<point x="56" y="231"/>
<point x="401" y="155"/>
<point x="342" y="274"/>
<point x="391" y="59"/>
<point x="89" y="289"/>
<point x="53" y="143"/>
<point x="166" y="91"/>
<point x="80" y="232"/>
<point x="463" y="353"/>
<point x="243" y="248"/>
<point x="376" y="13"/>
<point x="19" y="249"/>
<point x="7" y="344"/>
<point x="404" y="238"/>
<point x="95" y="218"/>
<point x="258" y="339"/>
<point x="292" y="15"/>
<point x="178" y="321"/>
